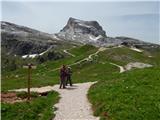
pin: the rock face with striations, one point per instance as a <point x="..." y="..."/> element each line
<point x="83" y="31"/>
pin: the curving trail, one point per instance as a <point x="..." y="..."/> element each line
<point x="65" y="51"/>
<point x="120" y="67"/>
<point x="89" y="57"/>
<point x="74" y="104"/>
<point x="85" y="59"/>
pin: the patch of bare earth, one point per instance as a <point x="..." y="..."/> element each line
<point x="11" y="97"/>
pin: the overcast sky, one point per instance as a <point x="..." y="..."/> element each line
<point x="132" y="19"/>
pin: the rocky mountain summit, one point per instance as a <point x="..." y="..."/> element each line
<point x="83" y="31"/>
<point x="90" y="32"/>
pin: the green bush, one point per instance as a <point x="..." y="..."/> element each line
<point x="25" y="94"/>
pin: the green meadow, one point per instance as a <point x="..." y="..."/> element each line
<point x="132" y="95"/>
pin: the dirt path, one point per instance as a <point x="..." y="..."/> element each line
<point x="120" y="67"/>
<point x="89" y="57"/>
<point x="73" y="104"/>
<point x="65" y="51"/>
<point x="85" y="59"/>
<point x="131" y="65"/>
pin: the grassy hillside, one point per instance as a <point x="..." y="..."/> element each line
<point x="44" y="74"/>
<point x="130" y="95"/>
<point x="124" y="55"/>
<point x="133" y="95"/>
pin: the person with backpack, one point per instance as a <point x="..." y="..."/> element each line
<point x="69" y="74"/>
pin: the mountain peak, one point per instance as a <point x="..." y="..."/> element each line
<point x="91" y="27"/>
<point x="82" y="31"/>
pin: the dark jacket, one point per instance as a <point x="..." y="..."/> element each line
<point x="63" y="73"/>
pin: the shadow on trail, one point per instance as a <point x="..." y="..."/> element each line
<point x="73" y="87"/>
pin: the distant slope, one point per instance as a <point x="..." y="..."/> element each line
<point x="22" y="40"/>
<point x="87" y="70"/>
<point x="130" y="95"/>
<point x="44" y="70"/>
<point x="17" y="41"/>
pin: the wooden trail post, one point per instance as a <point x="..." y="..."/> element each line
<point x="29" y="67"/>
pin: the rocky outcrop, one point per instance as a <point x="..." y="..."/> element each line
<point x="90" y="32"/>
<point x="76" y="26"/>
<point x="83" y="31"/>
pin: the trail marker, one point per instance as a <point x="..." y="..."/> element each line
<point x="29" y="67"/>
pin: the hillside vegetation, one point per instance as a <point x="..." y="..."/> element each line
<point x="117" y="96"/>
<point x="44" y="74"/>
<point x="133" y="95"/>
<point x="39" y="108"/>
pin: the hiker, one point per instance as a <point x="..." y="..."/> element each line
<point x="69" y="73"/>
<point x="62" y="76"/>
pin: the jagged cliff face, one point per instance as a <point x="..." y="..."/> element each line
<point x="83" y="31"/>
<point x="90" y="32"/>
<point x="76" y="26"/>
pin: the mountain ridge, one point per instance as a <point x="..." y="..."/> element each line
<point x="21" y="40"/>
<point x="91" y="32"/>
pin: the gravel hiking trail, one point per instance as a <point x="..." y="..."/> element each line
<point x="74" y="104"/>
